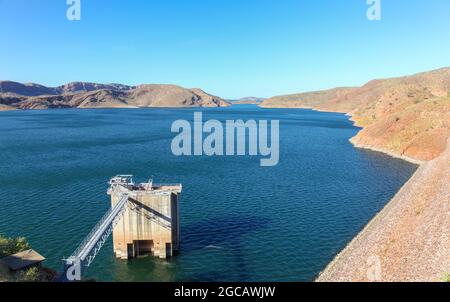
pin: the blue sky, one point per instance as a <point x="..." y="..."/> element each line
<point x="232" y="48"/>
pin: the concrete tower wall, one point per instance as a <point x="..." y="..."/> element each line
<point x="149" y="225"/>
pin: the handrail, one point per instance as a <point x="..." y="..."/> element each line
<point x="91" y="233"/>
<point x="88" y="238"/>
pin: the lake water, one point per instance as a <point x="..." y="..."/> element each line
<point x="239" y="221"/>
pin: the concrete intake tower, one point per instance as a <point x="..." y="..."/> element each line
<point x="150" y="222"/>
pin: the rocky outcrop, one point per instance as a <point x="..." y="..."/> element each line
<point x="76" y="87"/>
<point x="209" y="100"/>
<point x="91" y="95"/>
<point x="8" y="88"/>
<point x="31" y="89"/>
<point x="407" y="117"/>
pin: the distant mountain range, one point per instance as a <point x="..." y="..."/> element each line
<point x="406" y="116"/>
<point x="248" y="100"/>
<point x="15" y="95"/>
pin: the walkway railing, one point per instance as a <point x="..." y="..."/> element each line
<point x="94" y="241"/>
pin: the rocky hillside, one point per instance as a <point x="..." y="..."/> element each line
<point x="306" y="100"/>
<point x="91" y="95"/>
<point x="407" y="116"/>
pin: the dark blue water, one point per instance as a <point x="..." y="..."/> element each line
<point x="239" y="221"/>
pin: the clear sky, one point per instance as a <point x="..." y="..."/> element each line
<point x="232" y="48"/>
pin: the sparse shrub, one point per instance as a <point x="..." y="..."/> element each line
<point x="30" y="275"/>
<point x="9" y="246"/>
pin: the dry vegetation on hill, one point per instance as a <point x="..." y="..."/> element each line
<point x="407" y="116"/>
<point x="306" y="100"/>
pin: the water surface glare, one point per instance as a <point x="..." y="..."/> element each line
<point x="239" y="221"/>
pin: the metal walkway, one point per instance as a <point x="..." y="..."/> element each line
<point x="123" y="186"/>
<point x="86" y="252"/>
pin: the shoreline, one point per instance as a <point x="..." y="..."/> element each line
<point x="325" y="274"/>
<point x="422" y="202"/>
<point x="7" y="108"/>
<point x="409" y="239"/>
<point x="357" y="145"/>
<point x="387" y="152"/>
<point x="109" y="107"/>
